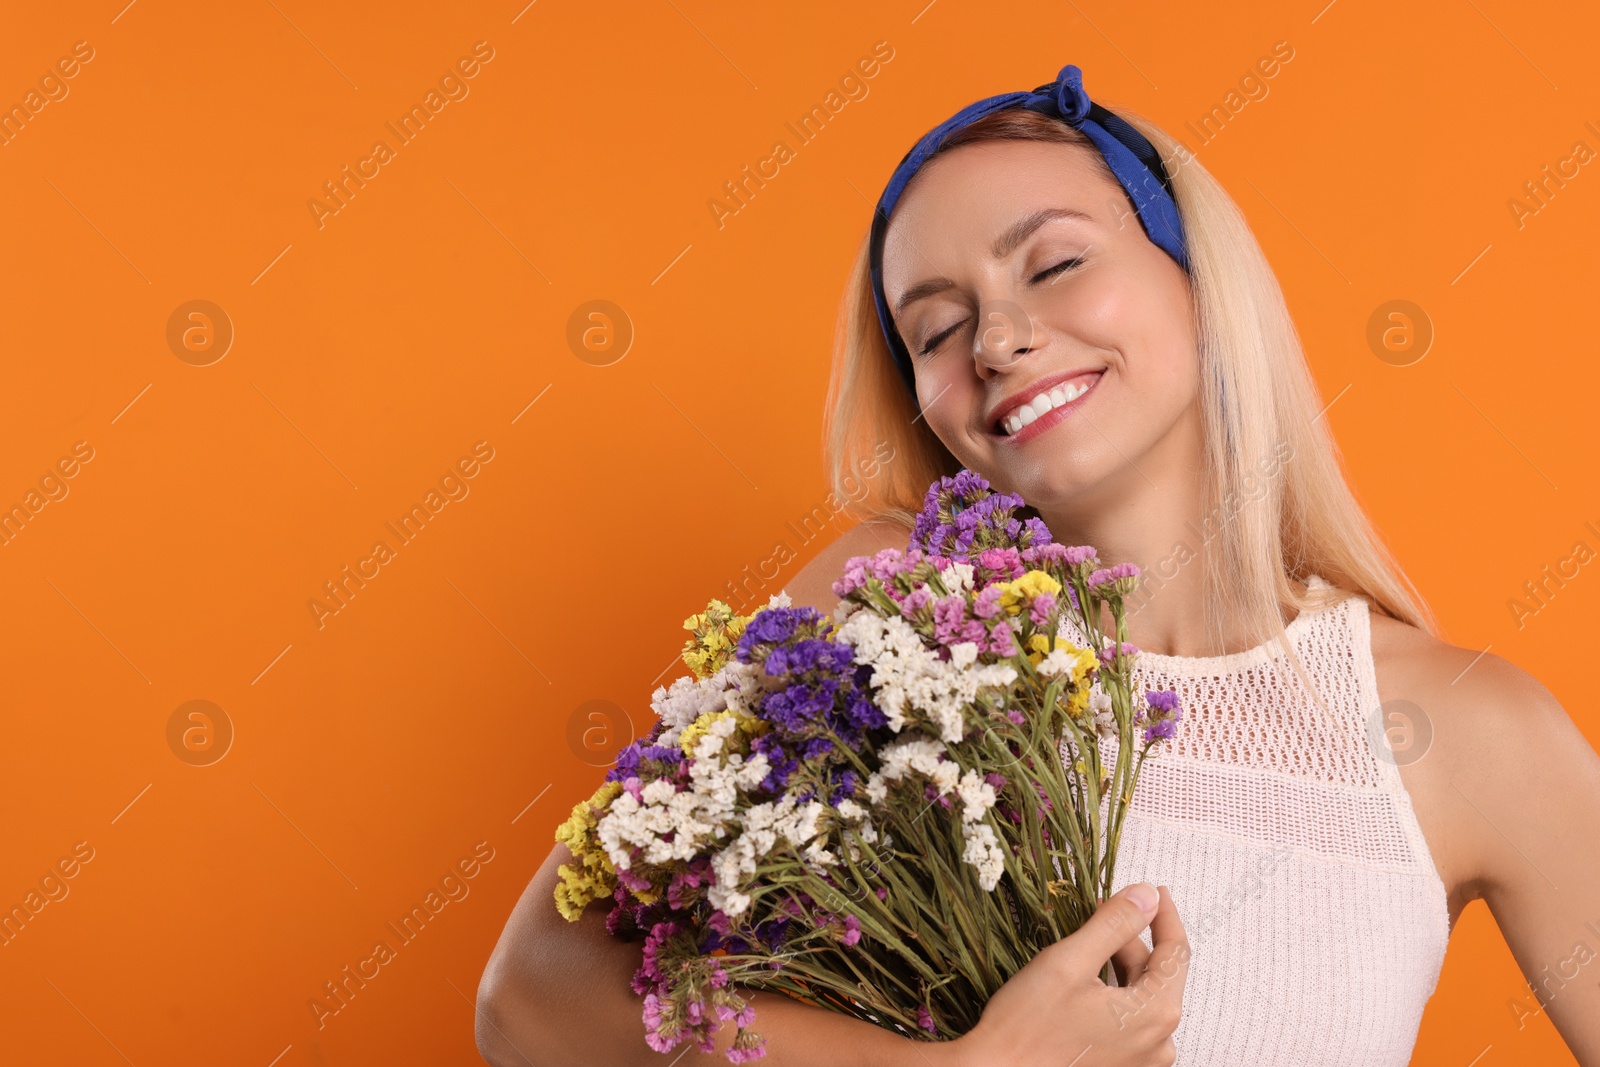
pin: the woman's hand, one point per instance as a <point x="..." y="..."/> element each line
<point x="1056" y="1011"/>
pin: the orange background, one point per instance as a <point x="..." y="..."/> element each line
<point x="431" y="713"/>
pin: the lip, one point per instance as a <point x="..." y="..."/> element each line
<point x="1049" y="418"/>
<point x="1033" y="389"/>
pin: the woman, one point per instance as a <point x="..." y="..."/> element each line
<point x="1055" y="298"/>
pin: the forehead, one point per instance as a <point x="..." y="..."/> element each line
<point x="964" y="198"/>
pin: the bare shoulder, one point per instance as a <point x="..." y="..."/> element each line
<point x="1480" y="729"/>
<point x="1477" y="696"/>
<point x="813" y="586"/>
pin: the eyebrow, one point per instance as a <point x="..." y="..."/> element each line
<point x="1004" y="245"/>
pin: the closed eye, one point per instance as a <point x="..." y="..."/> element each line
<point x="1058" y="269"/>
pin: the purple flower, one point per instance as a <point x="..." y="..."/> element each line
<point x="656" y="760"/>
<point x="925" y="1019"/>
<point x="1163" y="700"/>
<point x="1162" y="720"/>
<point x="845" y="787"/>
<point x="1157" y="731"/>
<point x="962" y="516"/>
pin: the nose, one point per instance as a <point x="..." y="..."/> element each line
<point x="1005" y="334"/>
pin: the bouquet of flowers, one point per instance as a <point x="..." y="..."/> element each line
<point x="887" y="812"/>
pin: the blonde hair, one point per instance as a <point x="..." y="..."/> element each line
<point x="1257" y="394"/>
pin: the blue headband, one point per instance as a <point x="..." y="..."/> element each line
<point x="1132" y="158"/>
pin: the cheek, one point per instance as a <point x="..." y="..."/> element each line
<point x="949" y="393"/>
<point x="1147" y="323"/>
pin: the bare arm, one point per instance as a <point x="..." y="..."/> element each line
<point x="1526" y="787"/>
<point x="556" y="994"/>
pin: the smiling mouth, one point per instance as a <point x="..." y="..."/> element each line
<point x="1049" y="405"/>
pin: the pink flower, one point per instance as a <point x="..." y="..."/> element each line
<point x="1001" y="642"/>
<point x="1043" y="606"/>
<point x="1107" y="575"/>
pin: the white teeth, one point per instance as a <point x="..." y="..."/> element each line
<point x="1054" y="398"/>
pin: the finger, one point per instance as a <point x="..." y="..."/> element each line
<point x="1117" y="921"/>
<point x="1130" y="961"/>
<point x="1168" y="964"/>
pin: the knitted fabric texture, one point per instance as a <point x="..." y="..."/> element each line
<point x="1316" y="918"/>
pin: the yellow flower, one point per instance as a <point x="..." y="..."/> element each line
<point x="716" y="634"/>
<point x="594" y="878"/>
<point x="1014" y="595"/>
<point x="748" y="726"/>
<point x="1038" y="645"/>
<point x="1083" y="662"/>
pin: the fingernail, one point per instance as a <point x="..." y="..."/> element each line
<point x="1144" y="894"/>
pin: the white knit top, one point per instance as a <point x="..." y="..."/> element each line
<point x="1316" y="918"/>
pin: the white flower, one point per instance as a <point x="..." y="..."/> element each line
<point x="780" y="599"/>
<point x="818" y="855"/>
<point x="727" y="900"/>
<point x="1105" y="719"/>
<point x="957" y="577"/>
<point x="688" y="698"/>
<point x="659" y="791"/>
<point x="1055" y="662"/>
<point x="901" y="757"/>
<point x="877" y="788"/>
<point x="977" y="796"/>
<point x="913" y="685"/>
<point x="963" y="654"/>
<point x="982" y="850"/>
